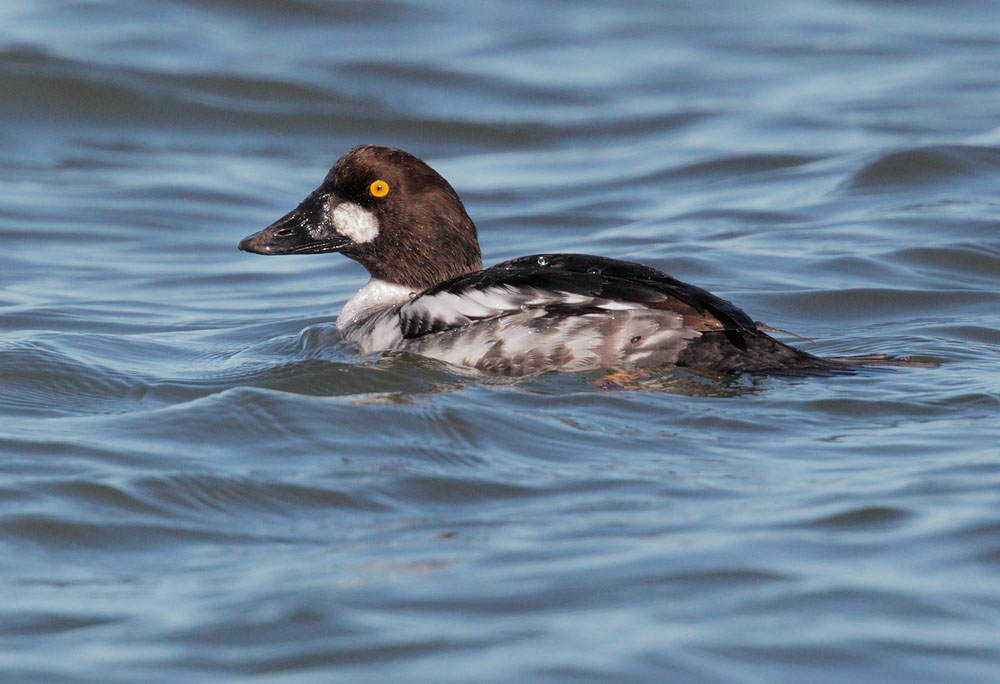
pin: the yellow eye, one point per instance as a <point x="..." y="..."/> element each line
<point x="379" y="188"/>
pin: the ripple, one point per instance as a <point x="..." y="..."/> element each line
<point x="739" y="165"/>
<point x="869" y="517"/>
<point x="38" y="624"/>
<point x="462" y="490"/>
<point x="39" y="380"/>
<point x="91" y="495"/>
<point x="380" y="11"/>
<point x="59" y="533"/>
<point x="963" y="263"/>
<point x="925" y="166"/>
<point x="884" y="304"/>
<point x="188" y="493"/>
<point x="406" y="79"/>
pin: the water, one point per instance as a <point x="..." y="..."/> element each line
<point x="201" y="482"/>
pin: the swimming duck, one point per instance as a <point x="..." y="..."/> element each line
<point x="429" y="294"/>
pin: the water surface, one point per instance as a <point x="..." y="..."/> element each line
<point x="200" y="481"/>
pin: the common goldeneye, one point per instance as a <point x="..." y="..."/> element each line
<point x="429" y="294"/>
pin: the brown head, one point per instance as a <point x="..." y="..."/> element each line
<point x="387" y="210"/>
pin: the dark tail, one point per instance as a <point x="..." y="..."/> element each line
<point x="764" y="354"/>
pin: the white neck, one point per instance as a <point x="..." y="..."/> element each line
<point x="376" y="296"/>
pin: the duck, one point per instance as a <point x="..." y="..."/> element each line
<point x="429" y="294"/>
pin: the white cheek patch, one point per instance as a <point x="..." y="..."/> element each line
<point x="354" y="221"/>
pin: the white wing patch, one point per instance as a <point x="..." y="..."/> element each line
<point x="473" y="304"/>
<point x="511" y="330"/>
<point x="459" y="309"/>
<point x="445" y="310"/>
<point x="611" y="305"/>
<point x="354" y="221"/>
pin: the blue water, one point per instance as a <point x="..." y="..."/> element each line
<point x="200" y="481"/>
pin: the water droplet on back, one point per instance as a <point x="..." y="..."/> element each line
<point x="543" y="261"/>
<point x="593" y="270"/>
